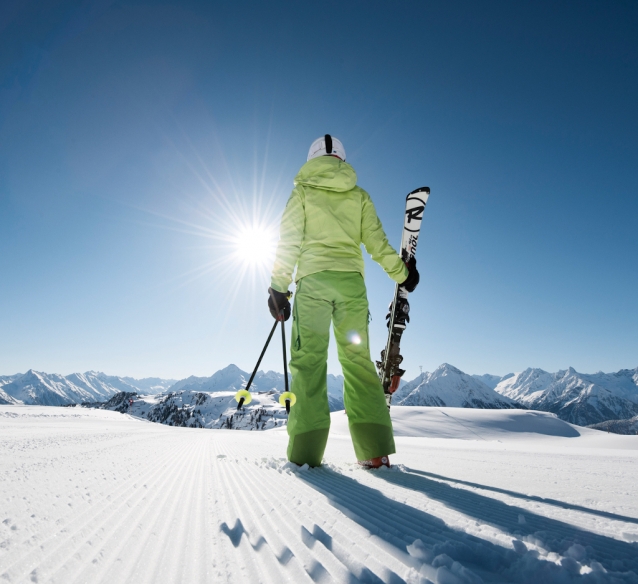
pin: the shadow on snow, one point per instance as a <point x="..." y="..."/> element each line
<point x="400" y="525"/>
<point x="534" y="498"/>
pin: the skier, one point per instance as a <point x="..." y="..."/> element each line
<point x="326" y="220"/>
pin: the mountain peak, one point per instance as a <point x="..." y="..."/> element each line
<point x="446" y="367"/>
<point x="448" y="386"/>
<point x="33" y="374"/>
<point x="232" y="368"/>
<point x="577" y="398"/>
<point x="533" y="371"/>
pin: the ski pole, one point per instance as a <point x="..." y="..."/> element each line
<point x="286" y="399"/>
<point x="243" y="395"/>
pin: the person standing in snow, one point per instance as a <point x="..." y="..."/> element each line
<point x="326" y="220"/>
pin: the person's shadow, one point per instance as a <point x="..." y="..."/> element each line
<point x="535" y="498"/>
<point x="601" y="559"/>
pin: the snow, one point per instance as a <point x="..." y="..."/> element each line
<point x="629" y="426"/>
<point x="150" y="385"/>
<point x="525" y="386"/>
<point x="5" y="398"/>
<point x="578" y="398"/>
<point x="449" y="386"/>
<point x="491" y="380"/>
<point x="468" y="424"/>
<point x="474" y="495"/>
<point x="232" y="378"/>
<point x="38" y="388"/>
<point x="4" y="379"/>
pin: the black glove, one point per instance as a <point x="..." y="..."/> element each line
<point x="412" y="281"/>
<point x="278" y="301"/>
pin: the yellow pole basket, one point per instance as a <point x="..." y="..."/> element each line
<point x="287" y="399"/>
<point x="243" y="397"/>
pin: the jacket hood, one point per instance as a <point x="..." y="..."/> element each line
<point x="327" y="172"/>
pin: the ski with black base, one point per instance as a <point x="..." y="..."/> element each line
<point x="399" y="313"/>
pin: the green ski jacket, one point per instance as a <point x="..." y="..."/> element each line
<point x="326" y="220"/>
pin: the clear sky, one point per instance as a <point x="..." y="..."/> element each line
<point x="137" y="138"/>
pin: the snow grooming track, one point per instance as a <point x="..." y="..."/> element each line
<point x="103" y="498"/>
<point x="246" y="538"/>
<point x="118" y="524"/>
<point x="137" y="548"/>
<point x="92" y="524"/>
<point x="326" y="552"/>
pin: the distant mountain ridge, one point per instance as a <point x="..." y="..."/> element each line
<point x="194" y="409"/>
<point x="209" y="402"/>
<point x="448" y="386"/>
<point x="492" y="380"/>
<point x="578" y="398"/>
<point x="232" y="378"/>
<point x="37" y="388"/>
<point x="629" y="426"/>
<point x="51" y="389"/>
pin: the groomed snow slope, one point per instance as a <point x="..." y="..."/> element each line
<point x="475" y="495"/>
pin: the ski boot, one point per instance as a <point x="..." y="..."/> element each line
<point x="377" y="462"/>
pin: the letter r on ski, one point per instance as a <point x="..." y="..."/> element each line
<point x="415" y="213"/>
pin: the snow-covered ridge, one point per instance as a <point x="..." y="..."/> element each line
<point x="629" y="426"/>
<point x="449" y="386"/>
<point x="195" y="409"/>
<point x="37" y="388"/>
<point x="579" y="398"/>
<point x="209" y="402"/>
<point x="232" y="378"/>
<point x="51" y="389"/>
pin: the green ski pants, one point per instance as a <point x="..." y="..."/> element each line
<point x="339" y="297"/>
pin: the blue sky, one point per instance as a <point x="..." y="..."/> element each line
<point x="136" y="136"/>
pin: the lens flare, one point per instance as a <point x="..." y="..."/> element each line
<point x="354" y="337"/>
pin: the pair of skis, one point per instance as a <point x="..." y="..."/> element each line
<point x="398" y="316"/>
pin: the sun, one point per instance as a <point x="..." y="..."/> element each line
<point x="255" y="245"/>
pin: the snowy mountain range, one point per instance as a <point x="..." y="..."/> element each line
<point x="51" y="389"/>
<point x="36" y="388"/>
<point x="578" y="398"/>
<point x="449" y="386"/>
<point x="193" y="409"/>
<point x="232" y="378"/>
<point x="209" y="402"/>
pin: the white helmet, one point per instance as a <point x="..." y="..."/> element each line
<point x="325" y="146"/>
